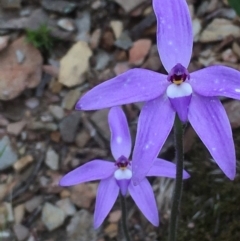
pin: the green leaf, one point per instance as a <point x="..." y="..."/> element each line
<point x="235" y="4"/>
<point x="40" y="38"/>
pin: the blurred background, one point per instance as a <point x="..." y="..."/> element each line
<point x="51" y="53"/>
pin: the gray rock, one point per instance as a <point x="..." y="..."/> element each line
<point x="70" y="99"/>
<point x="59" y="6"/>
<point x="67" y="206"/>
<point x="21" y="232"/>
<point x="52" y="216"/>
<point x="56" y="111"/>
<point x="102" y="60"/>
<point x="16" y="127"/>
<point x="52" y="159"/>
<point x="66" y="24"/>
<point x="32" y="103"/>
<point x="20" y="56"/>
<point x="218" y="30"/>
<point x="69" y="125"/>
<point x="38" y="18"/>
<point x="227" y="13"/>
<point x="3" y="42"/>
<point x="124" y="41"/>
<point x="82" y="138"/>
<point x="37" y="125"/>
<point x="6" y="235"/>
<point x="9" y="212"/>
<point x="83" y="24"/>
<point x="202" y="8"/>
<point x="95" y="38"/>
<point x="19" y="212"/>
<point x="7" y="155"/>
<point x="16" y="23"/>
<point x="129" y="5"/>
<point x="100" y="120"/>
<point x="10" y="4"/>
<point x="33" y="203"/>
<point x="24" y="12"/>
<point x="197" y="27"/>
<point x="46" y="117"/>
<point x="81" y="227"/>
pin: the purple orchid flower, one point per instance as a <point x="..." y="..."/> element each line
<point x="118" y="176"/>
<point x="192" y="96"/>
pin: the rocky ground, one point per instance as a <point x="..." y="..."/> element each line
<point x="51" y="53"/>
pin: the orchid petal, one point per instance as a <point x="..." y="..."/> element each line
<point x="121" y="142"/>
<point x="174" y="32"/>
<point x="154" y="124"/>
<point x="216" y="81"/>
<point x="181" y="105"/>
<point x="107" y="193"/>
<point x="135" y="85"/>
<point x="209" y="119"/>
<point x="94" y="170"/>
<point x="163" y="168"/>
<point x="123" y="185"/>
<point x="144" y="198"/>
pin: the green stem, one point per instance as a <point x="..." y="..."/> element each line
<point x="177" y="194"/>
<point x="124" y="217"/>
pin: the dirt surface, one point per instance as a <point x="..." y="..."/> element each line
<point x="52" y="52"/>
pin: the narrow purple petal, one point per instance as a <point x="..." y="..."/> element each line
<point x="90" y="171"/>
<point x="174" y="32"/>
<point x="123" y="185"/>
<point x="163" y="168"/>
<point x="144" y="198"/>
<point x="107" y="193"/>
<point x="135" y="85"/>
<point x="154" y="124"/>
<point x="181" y="105"/>
<point x="216" y="81"/>
<point x="209" y="119"/>
<point x="121" y="142"/>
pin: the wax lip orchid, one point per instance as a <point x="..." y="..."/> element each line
<point x="193" y="96"/>
<point x="117" y="176"/>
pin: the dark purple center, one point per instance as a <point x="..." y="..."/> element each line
<point x="122" y="162"/>
<point x="178" y="74"/>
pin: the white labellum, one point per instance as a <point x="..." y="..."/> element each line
<point x="176" y="91"/>
<point x="120" y="174"/>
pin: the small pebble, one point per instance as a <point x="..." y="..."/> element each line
<point x="19" y="212"/>
<point x="70" y="99"/>
<point x="16" y="128"/>
<point x="20" y="56"/>
<point x="52" y="216"/>
<point x="3" y="42"/>
<point x="52" y="159"/>
<point x="67" y="206"/>
<point x="20" y="231"/>
<point x="33" y="203"/>
<point x="22" y="163"/>
<point x="66" y="24"/>
<point x="32" y="103"/>
<point x="117" y="27"/>
<point x="8" y="156"/>
<point x="56" y="111"/>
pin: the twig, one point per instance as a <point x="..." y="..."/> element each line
<point x="22" y="187"/>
